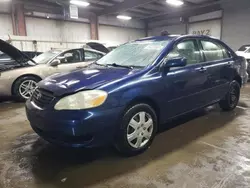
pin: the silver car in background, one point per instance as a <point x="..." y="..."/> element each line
<point x="19" y="79"/>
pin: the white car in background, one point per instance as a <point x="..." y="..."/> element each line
<point x="244" y="51"/>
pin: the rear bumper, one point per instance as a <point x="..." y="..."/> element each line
<point x="82" y="128"/>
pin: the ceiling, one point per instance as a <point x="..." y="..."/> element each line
<point x="149" y="10"/>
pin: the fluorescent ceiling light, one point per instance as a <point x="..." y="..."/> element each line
<point x="79" y="3"/>
<point x="175" y="2"/>
<point x="122" y="17"/>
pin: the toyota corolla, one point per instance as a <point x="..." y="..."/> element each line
<point x="124" y="97"/>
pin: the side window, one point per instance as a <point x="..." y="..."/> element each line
<point x="212" y="51"/>
<point x="91" y="56"/>
<point x="188" y="50"/>
<point x="226" y="53"/>
<point x="71" y="56"/>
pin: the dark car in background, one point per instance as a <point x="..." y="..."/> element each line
<point x="125" y="96"/>
<point x="6" y="59"/>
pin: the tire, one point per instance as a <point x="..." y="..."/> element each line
<point x="18" y="87"/>
<point x="145" y="131"/>
<point x="230" y="101"/>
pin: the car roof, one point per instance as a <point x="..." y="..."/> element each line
<point x="175" y="37"/>
<point x="61" y="50"/>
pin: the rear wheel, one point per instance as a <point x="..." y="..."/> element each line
<point x="139" y="125"/>
<point x="24" y="87"/>
<point x="230" y="101"/>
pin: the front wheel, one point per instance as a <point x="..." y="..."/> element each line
<point x="23" y="88"/>
<point x="138" y="129"/>
<point x="230" y="101"/>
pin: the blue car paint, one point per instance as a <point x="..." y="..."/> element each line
<point x="171" y="93"/>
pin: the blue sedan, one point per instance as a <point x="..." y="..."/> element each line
<point x="123" y="98"/>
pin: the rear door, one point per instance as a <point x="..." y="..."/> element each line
<point x="185" y="86"/>
<point x="217" y="63"/>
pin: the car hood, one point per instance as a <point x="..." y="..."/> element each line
<point x="13" y="52"/>
<point x="98" y="46"/>
<point x="84" y="79"/>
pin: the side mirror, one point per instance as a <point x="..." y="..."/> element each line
<point x="176" y="62"/>
<point x="55" y="62"/>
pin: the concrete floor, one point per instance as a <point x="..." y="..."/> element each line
<point x="207" y="149"/>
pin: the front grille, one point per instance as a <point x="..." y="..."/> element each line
<point x="42" y="97"/>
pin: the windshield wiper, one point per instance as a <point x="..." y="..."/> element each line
<point x="117" y="65"/>
<point x="99" y="64"/>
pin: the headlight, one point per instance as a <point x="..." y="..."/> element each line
<point x="82" y="100"/>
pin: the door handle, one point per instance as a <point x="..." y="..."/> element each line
<point x="230" y="64"/>
<point x="202" y="69"/>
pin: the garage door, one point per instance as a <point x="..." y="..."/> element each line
<point x="211" y="28"/>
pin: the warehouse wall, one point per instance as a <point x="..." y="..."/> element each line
<point x="119" y="34"/>
<point x="236" y="24"/>
<point x="120" y="31"/>
<point x="59" y="30"/>
<point x="5" y="22"/>
<point x="174" y="29"/>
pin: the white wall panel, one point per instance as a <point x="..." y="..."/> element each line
<point x="207" y="16"/>
<point x="6" y="25"/>
<point x="111" y="20"/>
<point x="236" y="24"/>
<point x="5" y="7"/>
<point x="172" y="29"/>
<point x="73" y="31"/>
<point x="55" y="33"/>
<point x="119" y="34"/>
<point x="210" y="28"/>
<point x="57" y="29"/>
<point x="44" y="29"/>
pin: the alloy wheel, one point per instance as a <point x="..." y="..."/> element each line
<point x="27" y="88"/>
<point x="140" y="130"/>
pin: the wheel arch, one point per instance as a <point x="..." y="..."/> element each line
<point x="146" y="100"/>
<point x="238" y="79"/>
<point x="25" y="75"/>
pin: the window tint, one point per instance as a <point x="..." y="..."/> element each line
<point x="5" y="57"/>
<point x="212" y="51"/>
<point x="226" y="53"/>
<point x="71" y="56"/>
<point x="91" y="56"/>
<point x="188" y="50"/>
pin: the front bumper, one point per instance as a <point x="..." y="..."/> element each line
<point x="79" y="128"/>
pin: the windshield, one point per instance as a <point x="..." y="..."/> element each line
<point x="138" y="54"/>
<point x="244" y="48"/>
<point x="45" y="57"/>
<point x="248" y="50"/>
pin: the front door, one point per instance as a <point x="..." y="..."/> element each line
<point x="184" y="86"/>
<point x="69" y="60"/>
